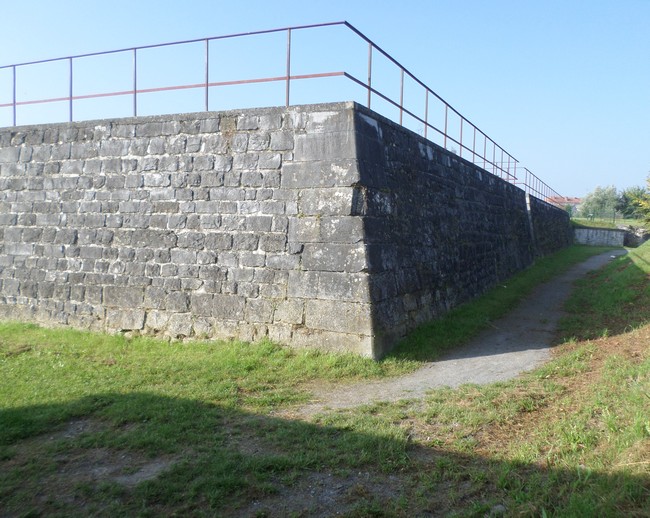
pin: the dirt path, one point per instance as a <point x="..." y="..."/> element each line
<point x="518" y="342"/>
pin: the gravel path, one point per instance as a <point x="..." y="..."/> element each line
<point x="518" y="342"/>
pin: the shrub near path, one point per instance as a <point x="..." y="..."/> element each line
<point x="100" y="425"/>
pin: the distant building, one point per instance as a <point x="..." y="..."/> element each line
<point x="565" y="202"/>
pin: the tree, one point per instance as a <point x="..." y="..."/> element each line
<point x="599" y="203"/>
<point x="643" y="202"/>
<point x="628" y="201"/>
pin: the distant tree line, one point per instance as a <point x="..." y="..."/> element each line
<point x="605" y="202"/>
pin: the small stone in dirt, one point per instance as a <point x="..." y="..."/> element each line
<point x="146" y="472"/>
<point x="497" y="510"/>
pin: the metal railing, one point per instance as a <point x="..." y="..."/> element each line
<point x="451" y="129"/>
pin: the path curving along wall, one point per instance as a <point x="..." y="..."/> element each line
<point x="322" y="226"/>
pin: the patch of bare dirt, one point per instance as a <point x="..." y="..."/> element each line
<point x="75" y="466"/>
<point x="102" y="464"/>
<point x="76" y="427"/>
<point x="325" y="494"/>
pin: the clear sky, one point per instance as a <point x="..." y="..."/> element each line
<point x="563" y="85"/>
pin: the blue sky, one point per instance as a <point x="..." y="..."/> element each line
<point x="564" y="86"/>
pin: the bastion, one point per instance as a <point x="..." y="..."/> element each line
<point x="324" y="226"/>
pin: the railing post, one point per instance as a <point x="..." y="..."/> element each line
<point x="287" y="96"/>
<point x="445" y="134"/>
<point x="484" y="151"/>
<point x="401" y="97"/>
<point x="14" y="94"/>
<point x="369" y="73"/>
<point x="207" y="73"/>
<point x="426" y="112"/>
<point x="474" y="145"/>
<point x="70" y="89"/>
<point x="135" y="82"/>
<point x="525" y="178"/>
<point x="501" y="162"/>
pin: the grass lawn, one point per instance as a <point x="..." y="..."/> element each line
<point x="609" y="222"/>
<point x="103" y="425"/>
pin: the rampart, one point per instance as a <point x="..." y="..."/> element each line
<point x="322" y="226"/>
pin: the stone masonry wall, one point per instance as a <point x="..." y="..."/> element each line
<point x="439" y="230"/>
<point x="320" y="226"/>
<point x="188" y="225"/>
<point x="600" y="236"/>
<point x="552" y="229"/>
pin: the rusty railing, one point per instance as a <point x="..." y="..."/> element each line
<point x="450" y="128"/>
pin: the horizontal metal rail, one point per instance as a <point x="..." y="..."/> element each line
<point x="181" y="42"/>
<point x="490" y="155"/>
<point x="175" y="87"/>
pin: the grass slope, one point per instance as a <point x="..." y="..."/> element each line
<point x="608" y="222"/>
<point x="101" y="425"/>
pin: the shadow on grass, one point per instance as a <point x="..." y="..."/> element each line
<point x="150" y="455"/>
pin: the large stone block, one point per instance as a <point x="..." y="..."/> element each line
<point x="289" y="311"/>
<point x="10" y="154"/>
<point x="326" y="202"/>
<point x="336" y="172"/>
<point x="334" y="257"/>
<point x="202" y="304"/>
<point x="125" y="320"/>
<point x="123" y="297"/>
<point x="321" y="147"/>
<point x="281" y="141"/>
<point x="344" y="286"/>
<point x="179" y="326"/>
<point x="334" y="341"/>
<point x="229" y="307"/>
<point x="338" y="316"/>
<point x="259" y="310"/>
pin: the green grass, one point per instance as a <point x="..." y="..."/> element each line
<point x="607" y="222"/>
<point x="80" y="410"/>
<point x="612" y="300"/>
<point x="42" y="367"/>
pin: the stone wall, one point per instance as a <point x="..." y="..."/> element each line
<point x="439" y="230"/>
<point x="600" y="236"/>
<point x="322" y="226"/>
<point x="552" y="228"/>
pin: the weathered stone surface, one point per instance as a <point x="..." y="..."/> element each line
<point x="334" y="257"/>
<point x="337" y="316"/>
<point x="600" y="236"/>
<point x="179" y="326"/>
<point x="125" y="320"/>
<point x="333" y="341"/>
<point x="122" y="297"/>
<point x="319" y="226"/>
<point x="320" y="174"/>
<point x="326" y="202"/>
